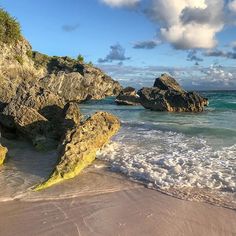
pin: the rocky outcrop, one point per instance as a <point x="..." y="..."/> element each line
<point x="39" y="115"/>
<point x="42" y="100"/>
<point x="75" y="81"/>
<point x="80" y="145"/>
<point x="16" y="65"/>
<point x="166" y="82"/>
<point x="38" y="99"/>
<point x="167" y="95"/>
<point x="128" y="96"/>
<point x="3" y="153"/>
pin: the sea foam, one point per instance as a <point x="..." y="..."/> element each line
<point x="168" y="159"/>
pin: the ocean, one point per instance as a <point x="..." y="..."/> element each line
<point x="187" y="155"/>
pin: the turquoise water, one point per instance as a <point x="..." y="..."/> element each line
<point x="175" y="150"/>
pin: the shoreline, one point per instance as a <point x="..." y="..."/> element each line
<point x="131" y="210"/>
<point x="101" y="202"/>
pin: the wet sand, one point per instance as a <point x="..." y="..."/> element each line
<point x="130" y="209"/>
<point x="100" y="202"/>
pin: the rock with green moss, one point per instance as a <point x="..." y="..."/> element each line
<point x="3" y="153"/>
<point x="80" y="146"/>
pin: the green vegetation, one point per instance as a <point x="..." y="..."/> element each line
<point x="10" y="31"/>
<point x="80" y="58"/>
<point x="90" y="63"/>
<point x="29" y="53"/>
<point x="19" y="59"/>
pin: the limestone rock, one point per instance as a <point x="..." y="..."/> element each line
<point x="166" y="82"/>
<point x="80" y="145"/>
<point x="169" y="96"/>
<point x="16" y="65"/>
<point x="71" y="117"/>
<point x="75" y="81"/>
<point x="128" y="96"/>
<point x="40" y="99"/>
<point x="25" y="119"/>
<point x="3" y="153"/>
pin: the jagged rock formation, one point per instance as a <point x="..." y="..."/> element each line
<point x="128" y="96"/>
<point x="3" y="153"/>
<point x="16" y="66"/>
<point x="71" y="79"/>
<point x="166" y="82"/>
<point x="79" y="147"/>
<point x="167" y="95"/>
<point x="76" y="81"/>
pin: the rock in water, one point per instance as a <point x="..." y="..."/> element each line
<point x="80" y="145"/>
<point x="167" y="95"/>
<point x="166" y="82"/>
<point x="128" y="96"/>
<point x="3" y="153"/>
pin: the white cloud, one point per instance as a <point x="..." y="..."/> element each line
<point x="188" y="24"/>
<point x="120" y="3"/>
<point x="197" y="77"/>
<point x="232" y="6"/>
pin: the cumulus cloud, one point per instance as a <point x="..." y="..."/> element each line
<point x="70" y="28"/>
<point x="188" y="24"/>
<point x="117" y="53"/>
<point x="121" y="3"/>
<point x="148" y="44"/>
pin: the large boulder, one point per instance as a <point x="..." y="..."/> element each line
<point x="29" y="123"/>
<point x="79" y="147"/>
<point x="3" y="153"/>
<point x="167" y="95"/>
<point x="166" y="82"/>
<point x="128" y="96"/>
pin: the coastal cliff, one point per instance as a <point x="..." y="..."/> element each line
<point x="39" y="98"/>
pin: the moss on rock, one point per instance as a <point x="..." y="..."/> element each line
<point x="80" y="146"/>
<point x="3" y="153"/>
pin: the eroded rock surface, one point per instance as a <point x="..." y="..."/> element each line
<point x="80" y="145"/>
<point x="167" y="95"/>
<point x="3" y="153"/>
<point x="128" y="96"/>
<point x="82" y="83"/>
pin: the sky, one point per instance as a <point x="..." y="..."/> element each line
<point x="135" y="41"/>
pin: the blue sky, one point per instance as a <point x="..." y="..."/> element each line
<point x="136" y="40"/>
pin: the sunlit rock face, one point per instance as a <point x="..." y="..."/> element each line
<point x="80" y="145"/>
<point x="3" y="153"/>
<point x="128" y="96"/>
<point x="167" y="95"/>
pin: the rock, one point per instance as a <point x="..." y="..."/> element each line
<point x="48" y="104"/>
<point x="3" y="153"/>
<point x="16" y="66"/>
<point x="80" y="145"/>
<point x="128" y="96"/>
<point x="71" y="117"/>
<point x="169" y="96"/>
<point x="34" y="112"/>
<point x="166" y="82"/>
<point x="76" y="81"/>
<point x="28" y="122"/>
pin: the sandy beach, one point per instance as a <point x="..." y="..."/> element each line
<point x="116" y="206"/>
